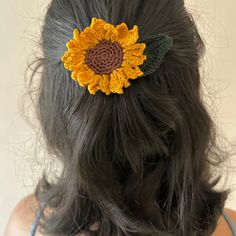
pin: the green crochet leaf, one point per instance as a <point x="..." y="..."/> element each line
<point x="156" y="48"/>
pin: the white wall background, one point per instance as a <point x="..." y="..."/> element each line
<point x="19" y="23"/>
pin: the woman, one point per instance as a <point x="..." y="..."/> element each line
<point x="140" y="161"/>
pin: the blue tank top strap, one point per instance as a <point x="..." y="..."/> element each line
<point x="37" y="220"/>
<point x="230" y="223"/>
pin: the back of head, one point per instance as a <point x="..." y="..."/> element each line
<point x="138" y="163"/>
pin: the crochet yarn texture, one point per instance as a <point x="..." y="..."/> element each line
<point x="105" y="57"/>
<point x="157" y="47"/>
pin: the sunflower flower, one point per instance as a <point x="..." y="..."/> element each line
<point x="104" y="57"/>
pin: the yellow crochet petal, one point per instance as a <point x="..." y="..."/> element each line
<point x="81" y="67"/>
<point x="104" y="84"/>
<point x="129" y="55"/>
<point x="123" y="77"/>
<point x="74" y="75"/>
<point x="120" y="80"/>
<point x="66" y="60"/>
<point x="96" y="23"/>
<point x="93" y="87"/>
<point x="84" y="67"/>
<point x="96" y="34"/>
<point x="75" y="47"/>
<point x="113" y="83"/>
<point x="131" y="37"/>
<point x="128" y="64"/>
<point x="134" y="60"/>
<point x="76" y="34"/>
<point x="98" y="26"/>
<point x="89" y="37"/>
<point x="85" y="77"/>
<point x="72" y="44"/>
<point x="86" y="41"/>
<point x="135" y="49"/>
<point x="111" y="33"/>
<point x="77" y="42"/>
<point x="75" y="66"/>
<point x="132" y="72"/>
<point x="73" y="60"/>
<point x="116" y="83"/>
<point x="122" y="32"/>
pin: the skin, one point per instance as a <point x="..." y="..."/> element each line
<point x="18" y="225"/>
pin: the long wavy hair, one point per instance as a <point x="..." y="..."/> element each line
<point x="140" y="163"/>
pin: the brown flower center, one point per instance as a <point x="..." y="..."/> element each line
<point x="105" y="57"/>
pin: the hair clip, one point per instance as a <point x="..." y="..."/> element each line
<point x="104" y="57"/>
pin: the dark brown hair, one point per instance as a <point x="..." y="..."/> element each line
<point x="140" y="163"/>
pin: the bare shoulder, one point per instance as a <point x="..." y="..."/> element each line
<point x="22" y="217"/>
<point x="222" y="226"/>
<point x="231" y="213"/>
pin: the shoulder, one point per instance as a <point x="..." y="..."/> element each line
<point x="222" y="225"/>
<point x="231" y="213"/>
<point x="22" y="217"/>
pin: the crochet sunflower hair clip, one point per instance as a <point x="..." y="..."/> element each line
<point x="104" y="57"/>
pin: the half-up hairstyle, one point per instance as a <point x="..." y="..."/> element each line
<point x="140" y="163"/>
